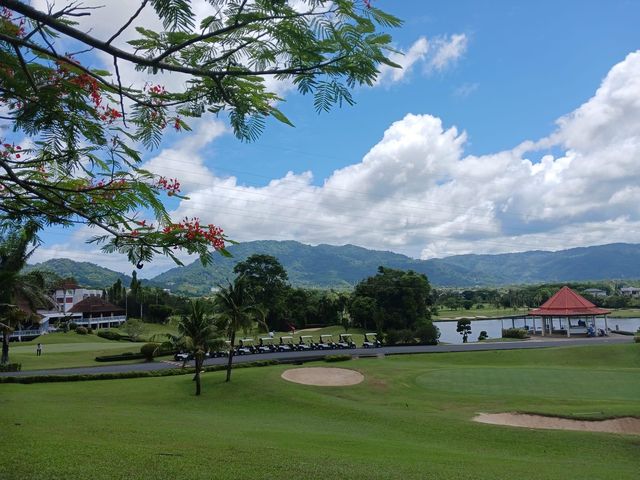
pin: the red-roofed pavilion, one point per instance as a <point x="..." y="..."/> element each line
<point x="569" y="305"/>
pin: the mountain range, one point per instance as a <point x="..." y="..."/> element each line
<point x="341" y="267"/>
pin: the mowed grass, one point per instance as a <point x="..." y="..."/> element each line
<point x="409" y="419"/>
<point x="67" y="350"/>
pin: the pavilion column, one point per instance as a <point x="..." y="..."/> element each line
<point x="534" y="325"/>
<point x="544" y="325"/>
<point x="568" y="327"/>
<point x="606" y="327"/>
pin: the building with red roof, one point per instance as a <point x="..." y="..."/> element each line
<point x="570" y="307"/>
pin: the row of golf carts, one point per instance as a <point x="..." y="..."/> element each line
<point x="248" y="346"/>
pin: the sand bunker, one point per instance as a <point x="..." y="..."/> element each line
<point x="627" y="425"/>
<point x="323" y="377"/>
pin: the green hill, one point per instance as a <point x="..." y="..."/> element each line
<point x="328" y="266"/>
<point x="86" y="274"/>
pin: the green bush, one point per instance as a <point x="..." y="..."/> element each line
<point x="483" y="335"/>
<point x="11" y="367"/>
<point x="81" y="330"/>
<point x="121" y="356"/>
<point x="149" y="350"/>
<point x="515" y="333"/>
<point x="402" y="337"/>
<point x="73" y="325"/>
<point x="337" y="358"/>
<point x="90" y="331"/>
<point x="636" y="338"/>
<point x="428" y="334"/>
<point x="110" y="335"/>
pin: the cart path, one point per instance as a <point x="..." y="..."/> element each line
<point x="320" y="354"/>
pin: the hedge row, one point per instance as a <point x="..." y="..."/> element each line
<point x="337" y="358"/>
<point x="121" y="375"/>
<point x="11" y="367"/>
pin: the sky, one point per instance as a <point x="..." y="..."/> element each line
<point x="513" y="126"/>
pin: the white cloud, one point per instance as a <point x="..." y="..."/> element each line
<point x="416" y="53"/>
<point x="435" y="55"/>
<point x="183" y="160"/>
<point x="464" y="90"/>
<point x="447" y="51"/>
<point x="417" y="192"/>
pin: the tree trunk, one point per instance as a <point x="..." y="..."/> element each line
<point x="233" y="339"/>
<point x="197" y="376"/>
<point x="5" y="348"/>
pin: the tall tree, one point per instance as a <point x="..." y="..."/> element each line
<point x="236" y="310"/>
<point x="402" y="298"/>
<point x="268" y="282"/>
<point x="17" y="244"/>
<point x="198" y="334"/>
<point x="86" y="124"/>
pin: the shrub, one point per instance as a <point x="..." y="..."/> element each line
<point x="81" y="330"/>
<point x="483" y="335"/>
<point x="428" y="334"/>
<point x="149" y="350"/>
<point x="11" y="367"/>
<point x="73" y="325"/>
<point x="119" y="357"/>
<point x="636" y="338"/>
<point x="515" y="333"/>
<point x="90" y="331"/>
<point x="110" y="335"/>
<point x="337" y="358"/>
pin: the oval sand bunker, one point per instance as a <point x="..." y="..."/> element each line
<point x="323" y="376"/>
<point x="626" y="425"/>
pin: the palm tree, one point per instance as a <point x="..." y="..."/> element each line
<point x="198" y="334"/>
<point x="17" y="244"/>
<point x="236" y="310"/>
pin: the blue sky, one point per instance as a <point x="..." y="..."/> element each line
<point x="446" y="159"/>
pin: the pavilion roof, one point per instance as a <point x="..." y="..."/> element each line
<point x="567" y="303"/>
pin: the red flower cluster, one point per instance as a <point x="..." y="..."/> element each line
<point x="10" y="27"/>
<point x="90" y="85"/>
<point x="171" y="185"/>
<point x="191" y="229"/>
<point x="9" y="150"/>
<point x="110" y="114"/>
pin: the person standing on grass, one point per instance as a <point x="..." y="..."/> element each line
<point x="39" y="350"/>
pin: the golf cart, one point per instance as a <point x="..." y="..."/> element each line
<point x="224" y="352"/>
<point x="306" y="343"/>
<point x="326" y="342"/>
<point x="183" y="357"/>
<point x="286" y="344"/>
<point x="245" y="346"/>
<point x="371" y="341"/>
<point x="266" y="345"/>
<point x="346" y="341"/>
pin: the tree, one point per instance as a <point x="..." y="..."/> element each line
<point x="402" y="298"/>
<point x="464" y="328"/>
<point x="198" y="334"/>
<point x="17" y="244"/>
<point x="134" y="327"/>
<point x="236" y="310"/>
<point x="85" y="125"/>
<point x="268" y="283"/>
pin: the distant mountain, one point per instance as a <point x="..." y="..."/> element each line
<point x="328" y="266"/>
<point x="86" y="274"/>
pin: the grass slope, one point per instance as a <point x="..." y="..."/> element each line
<point x="410" y="419"/>
<point x="67" y="350"/>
